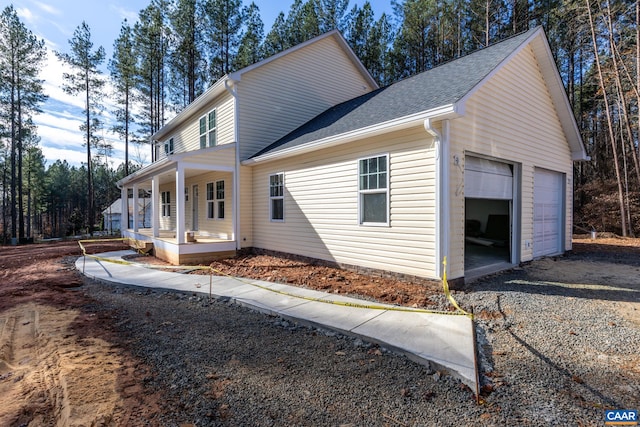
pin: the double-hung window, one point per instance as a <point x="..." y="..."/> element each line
<point x="373" y="190"/>
<point x="212" y="128"/>
<point x="276" y="196"/>
<point x="215" y="200"/>
<point x="203" y="132"/>
<point x="207" y="126"/>
<point x="210" y="201"/>
<point x="220" y="199"/>
<point x="166" y="203"/>
<point x="168" y="146"/>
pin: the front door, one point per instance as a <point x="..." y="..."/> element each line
<point x="194" y="207"/>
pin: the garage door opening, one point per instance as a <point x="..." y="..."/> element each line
<point x="489" y="215"/>
<point x="487" y="233"/>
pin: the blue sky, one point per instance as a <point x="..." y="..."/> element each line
<point x="55" y="21"/>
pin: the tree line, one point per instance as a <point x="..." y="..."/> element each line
<point x="177" y="48"/>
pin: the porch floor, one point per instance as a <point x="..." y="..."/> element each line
<point x="169" y="236"/>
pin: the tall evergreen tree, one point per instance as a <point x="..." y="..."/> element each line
<point x="123" y="74"/>
<point x="379" y="42"/>
<point x="250" y="50"/>
<point x="22" y="55"/>
<point x="486" y="22"/>
<point x="370" y="40"/>
<point x="86" y="79"/>
<point x="151" y="44"/>
<point x="276" y="39"/>
<point x="303" y="21"/>
<point x="34" y="177"/>
<point x="223" y="25"/>
<point x="333" y="15"/>
<point x="187" y="59"/>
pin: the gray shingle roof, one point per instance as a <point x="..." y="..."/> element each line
<point x="440" y="86"/>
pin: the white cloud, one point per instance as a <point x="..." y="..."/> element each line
<point x="74" y="158"/>
<point x="26" y="15"/>
<point x="130" y="15"/>
<point x="48" y="8"/>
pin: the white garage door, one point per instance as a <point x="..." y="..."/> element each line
<point x="487" y="179"/>
<point x="548" y="196"/>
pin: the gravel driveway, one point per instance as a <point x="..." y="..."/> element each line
<point x="552" y="352"/>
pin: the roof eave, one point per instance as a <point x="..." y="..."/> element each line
<point x="450" y="111"/>
<point x="147" y="171"/>
<point x="210" y="94"/>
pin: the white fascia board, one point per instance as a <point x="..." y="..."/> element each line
<point x="448" y="111"/>
<point x="150" y="170"/>
<point x="214" y="91"/>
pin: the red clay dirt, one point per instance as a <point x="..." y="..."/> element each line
<point x="60" y="364"/>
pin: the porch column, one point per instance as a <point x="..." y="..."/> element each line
<point x="136" y="210"/>
<point x="180" y="215"/>
<point x="155" y="205"/>
<point x="124" y="211"/>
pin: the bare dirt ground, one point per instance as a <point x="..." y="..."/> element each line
<point x="60" y="365"/>
<point x="61" y="362"/>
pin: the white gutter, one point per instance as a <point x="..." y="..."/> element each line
<point x="448" y="111"/>
<point x="442" y="186"/>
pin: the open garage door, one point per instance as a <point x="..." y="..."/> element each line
<point x="548" y="212"/>
<point x="489" y="193"/>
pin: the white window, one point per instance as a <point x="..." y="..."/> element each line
<point x="166" y="203"/>
<point x="215" y="200"/>
<point x="212" y="128"/>
<point x="203" y="132"/>
<point x="220" y="199"/>
<point x="168" y="146"/>
<point x="373" y="190"/>
<point x="276" y="196"/>
<point x="208" y="127"/>
<point x="210" y="201"/>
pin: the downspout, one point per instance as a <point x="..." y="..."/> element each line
<point x="232" y="88"/>
<point x="442" y="190"/>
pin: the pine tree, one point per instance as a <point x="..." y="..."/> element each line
<point x="86" y="79"/>
<point x="123" y="74"/>
<point x="370" y="40"/>
<point x="187" y="60"/>
<point x="34" y="177"/>
<point x="151" y="44"/>
<point x="22" y="55"/>
<point x="303" y="22"/>
<point x="250" y="50"/>
<point x="223" y="23"/>
<point x="333" y="15"/>
<point x="276" y="39"/>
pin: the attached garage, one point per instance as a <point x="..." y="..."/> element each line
<point x="489" y="188"/>
<point x="548" y="209"/>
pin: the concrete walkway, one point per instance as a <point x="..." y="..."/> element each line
<point x="444" y="341"/>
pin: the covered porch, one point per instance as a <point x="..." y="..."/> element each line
<point x="193" y="206"/>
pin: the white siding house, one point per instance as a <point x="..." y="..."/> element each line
<point x="471" y="161"/>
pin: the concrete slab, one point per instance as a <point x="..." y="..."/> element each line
<point x="446" y="340"/>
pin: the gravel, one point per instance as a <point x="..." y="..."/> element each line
<point x="546" y="358"/>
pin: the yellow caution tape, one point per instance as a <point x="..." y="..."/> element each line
<point x="445" y="286"/>
<point x="459" y="311"/>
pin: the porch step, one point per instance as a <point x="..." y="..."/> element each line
<point x="141" y="246"/>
